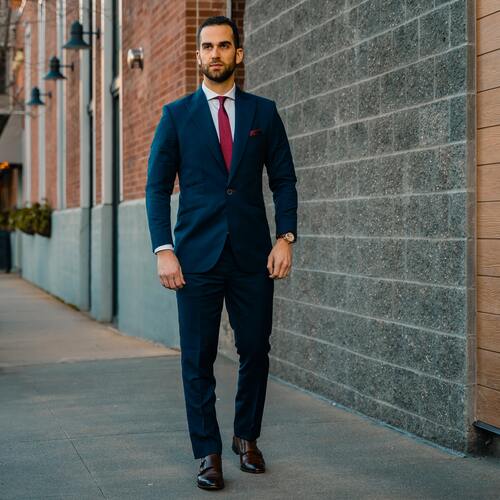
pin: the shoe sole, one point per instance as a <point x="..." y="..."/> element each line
<point x="242" y="467"/>
<point x="209" y="487"/>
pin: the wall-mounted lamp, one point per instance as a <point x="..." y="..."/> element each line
<point x="35" y="97"/>
<point x="135" y="58"/>
<point x="76" y="41"/>
<point x="54" y="72"/>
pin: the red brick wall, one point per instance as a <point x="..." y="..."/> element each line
<point x="18" y="91"/>
<point x="160" y="33"/>
<point x="51" y="108"/>
<point x="31" y="13"/>
<point x="237" y="13"/>
<point x="72" y="115"/>
<point x="49" y="111"/>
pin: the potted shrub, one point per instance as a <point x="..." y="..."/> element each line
<point x="43" y="219"/>
<point x="25" y="220"/>
<point x="12" y="218"/>
<point x="31" y="220"/>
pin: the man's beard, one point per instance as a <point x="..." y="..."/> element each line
<point x="218" y="77"/>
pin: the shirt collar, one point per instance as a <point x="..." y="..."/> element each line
<point x="210" y="94"/>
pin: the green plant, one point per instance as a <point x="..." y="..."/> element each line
<point x="29" y="220"/>
<point x="25" y="220"/>
<point x="43" y="219"/>
<point x="12" y="218"/>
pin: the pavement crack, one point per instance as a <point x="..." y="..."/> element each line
<point x="85" y="465"/>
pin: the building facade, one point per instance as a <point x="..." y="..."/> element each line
<point x="393" y="118"/>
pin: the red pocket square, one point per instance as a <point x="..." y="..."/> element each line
<point x="255" y="131"/>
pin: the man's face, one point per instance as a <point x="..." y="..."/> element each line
<point x="217" y="55"/>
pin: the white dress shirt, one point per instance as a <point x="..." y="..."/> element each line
<point x="213" y="104"/>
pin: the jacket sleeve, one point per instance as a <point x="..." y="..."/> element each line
<point x="281" y="175"/>
<point x="163" y="164"/>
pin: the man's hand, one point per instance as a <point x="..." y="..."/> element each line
<point x="279" y="261"/>
<point x="169" y="270"/>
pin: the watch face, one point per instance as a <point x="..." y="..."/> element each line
<point x="290" y="236"/>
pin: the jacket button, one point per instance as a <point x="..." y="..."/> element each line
<point x="230" y="191"/>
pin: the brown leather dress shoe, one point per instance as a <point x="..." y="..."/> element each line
<point x="210" y="474"/>
<point x="251" y="459"/>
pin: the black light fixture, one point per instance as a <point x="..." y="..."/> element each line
<point x="54" y="72"/>
<point x="35" y="97"/>
<point x="76" y="41"/>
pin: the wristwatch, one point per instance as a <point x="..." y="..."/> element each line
<point x="290" y="237"/>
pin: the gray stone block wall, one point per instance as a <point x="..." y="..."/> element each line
<point x="377" y="97"/>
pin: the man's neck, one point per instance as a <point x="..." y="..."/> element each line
<point x="219" y="88"/>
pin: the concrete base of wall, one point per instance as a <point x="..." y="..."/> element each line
<point x="145" y="308"/>
<point x="16" y="246"/>
<point x="101" y="264"/>
<point x="59" y="264"/>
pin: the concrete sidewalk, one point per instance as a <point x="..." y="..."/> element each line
<point x="86" y="413"/>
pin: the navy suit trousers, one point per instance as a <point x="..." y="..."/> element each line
<point x="249" y="303"/>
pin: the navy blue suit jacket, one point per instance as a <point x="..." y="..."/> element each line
<point x="211" y="202"/>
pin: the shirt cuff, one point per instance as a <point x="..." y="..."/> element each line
<point x="168" y="246"/>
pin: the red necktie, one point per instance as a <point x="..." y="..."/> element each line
<point x="225" y="137"/>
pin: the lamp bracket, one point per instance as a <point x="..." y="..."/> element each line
<point x="72" y="66"/>
<point x="96" y="33"/>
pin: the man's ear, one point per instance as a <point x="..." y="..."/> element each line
<point x="239" y="55"/>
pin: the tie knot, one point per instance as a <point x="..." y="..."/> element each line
<point x="222" y="98"/>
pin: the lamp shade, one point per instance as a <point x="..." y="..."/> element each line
<point x="35" y="98"/>
<point x="54" y="71"/>
<point x="76" y="41"/>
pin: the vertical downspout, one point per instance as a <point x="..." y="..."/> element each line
<point x="109" y="218"/>
<point x="27" y="160"/>
<point x="61" y="108"/>
<point x="86" y="196"/>
<point x="42" y="26"/>
<point x="91" y="150"/>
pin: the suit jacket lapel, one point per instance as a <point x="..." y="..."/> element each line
<point x="244" y="112"/>
<point x="201" y="116"/>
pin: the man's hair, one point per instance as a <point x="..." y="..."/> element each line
<point x="218" y="20"/>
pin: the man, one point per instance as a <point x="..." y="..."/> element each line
<point x="218" y="140"/>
